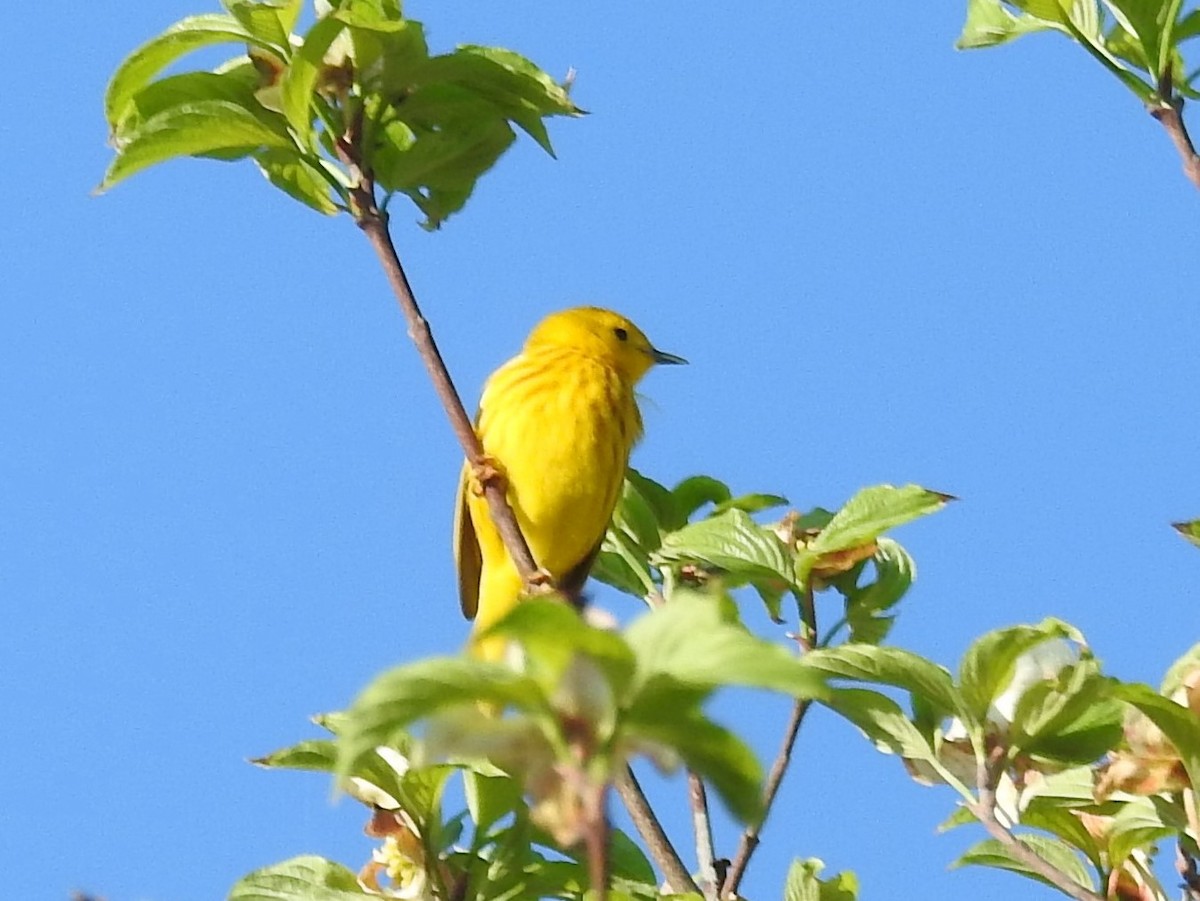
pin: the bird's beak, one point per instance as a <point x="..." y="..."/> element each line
<point x="660" y="357"/>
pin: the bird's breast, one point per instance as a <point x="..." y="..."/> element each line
<point x="561" y="427"/>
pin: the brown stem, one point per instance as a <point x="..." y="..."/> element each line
<point x="651" y="831"/>
<point x="373" y="222"/>
<point x="1169" y="112"/>
<point x="751" y="836"/>
<point x="596" y="839"/>
<point x="702" y="825"/>
<point x="987" y="776"/>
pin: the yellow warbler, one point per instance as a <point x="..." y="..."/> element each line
<point x="559" y="420"/>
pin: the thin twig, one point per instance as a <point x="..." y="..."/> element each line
<point x="373" y="221"/>
<point x="987" y="776"/>
<point x="702" y="825"/>
<point x="751" y="836"/>
<point x="1169" y="112"/>
<point x="651" y="831"/>
<point x="596" y="838"/>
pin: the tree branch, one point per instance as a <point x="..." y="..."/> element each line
<point x="750" y="837"/>
<point x="651" y="831"/>
<point x="373" y="221"/>
<point x="596" y="838"/>
<point x="702" y="825"/>
<point x="1169" y="113"/>
<point x="987" y="775"/>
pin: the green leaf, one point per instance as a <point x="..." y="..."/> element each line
<point x="1070" y="720"/>
<point x="1180" y="670"/>
<point x="1137" y="824"/>
<point x="863" y="519"/>
<point x="1146" y="22"/>
<point x="866" y="606"/>
<point x="1042" y="813"/>
<point x="751" y="503"/>
<point x="188" y="130"/>
<point x="1178" y="724"/>
<point x="688" y="641"/>
<point x="988" y="665"/>
<point x="553" y="634"/>
<point x="731" y="542"/>
<point x="803" y="883"/>
<point x="695" y="491"/>
<point x="490" y="797"/>
<point x="519" y="90"/>
<point x="236" y="85"/>
<point x="989" y="23"/>
<point x="449" y="138"/>
<point x="712" y="751"/>
<point x="416" y="690"/>
<point x="307" y="878"/>
<point x="620" y="565"/>
<point x="293" y="173"/>
<point x="638" y="516"/>
<point x="891" y="666"/>
<point x="266" y="21"/>
<point x="871" y="512"/>
<point x="1056" y="852"/>
<point x="148" y="60"/>
<point x="300" y="79"/>
<point x="1191" y="529"/>
<point x="882" y="721"/>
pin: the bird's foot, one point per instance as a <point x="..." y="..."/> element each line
<point x="486" y="471"/>
<point x="540" y="584"/>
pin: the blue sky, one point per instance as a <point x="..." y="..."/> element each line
<point x="225" y="485"/>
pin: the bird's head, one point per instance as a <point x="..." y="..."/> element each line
<point x="603" y="335"/>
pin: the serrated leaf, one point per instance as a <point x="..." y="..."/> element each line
<point x="638" y="517"/>
<point x="307" y="878"/>
<point x="152" y="57"/>
<point x="988" y="665"/>
<point x="1060" y="855"/>
<point x="731" y="542"/>
<point x="1178" y="724"/>
<point x="410" y="692"/>
<point x="188" y="130"/>
<point x="1137" y="824"/>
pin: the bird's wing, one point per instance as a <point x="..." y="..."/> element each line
<point x="467" y="555"/>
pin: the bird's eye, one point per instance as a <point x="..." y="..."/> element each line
<point x="621" y="334"/>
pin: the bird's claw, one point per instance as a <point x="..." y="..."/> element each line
<point x="540" y="584"/>
<point x="484" y="472"/>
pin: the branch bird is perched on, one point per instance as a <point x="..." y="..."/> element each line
<point x="558" y="420"/>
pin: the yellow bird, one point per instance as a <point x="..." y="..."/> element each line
<point x="559" y="420"/>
